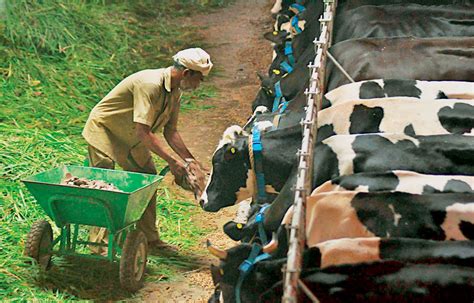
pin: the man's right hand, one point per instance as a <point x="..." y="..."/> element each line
<point x="178" y="169"/>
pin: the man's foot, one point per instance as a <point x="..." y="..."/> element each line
<point x="159" y="247"/>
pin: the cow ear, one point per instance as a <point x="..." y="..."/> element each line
<point x="261" y="76"/>
<point x="230" y="153"/>
<point x="271" y="36"/>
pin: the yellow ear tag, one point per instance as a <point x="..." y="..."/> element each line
<point x="276" y="71"/>
<point x="232" y="150"/>
<point x="221" y="271"/>
<point x="275" y="33"/>
<point x="239" y="226"/>
<point x="270" y="91"/>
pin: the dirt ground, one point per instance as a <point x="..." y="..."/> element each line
<point x="237" y="48"/>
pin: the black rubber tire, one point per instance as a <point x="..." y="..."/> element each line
<point x="133" y="261"/>
<point x="38" y="243"/>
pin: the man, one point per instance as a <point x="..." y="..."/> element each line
<point x="122" y="127"/>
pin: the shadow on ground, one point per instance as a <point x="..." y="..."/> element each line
<point x="98" y="280"/>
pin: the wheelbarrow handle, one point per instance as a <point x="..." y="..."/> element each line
<point x="164" y="171"/>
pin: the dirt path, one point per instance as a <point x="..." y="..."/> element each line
<point x="238" y="51"/>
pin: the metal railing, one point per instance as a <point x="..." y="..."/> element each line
<point x="314" y="93"/>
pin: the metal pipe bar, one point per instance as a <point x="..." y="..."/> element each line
<point x="339" y="66"/>
<point x="307" y="291"/>
<point x="305" y="164"/>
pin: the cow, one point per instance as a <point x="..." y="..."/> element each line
<point x="402" y="115"/>
<point x="351" y="214"/>
<point x="291" y="84"/>
<point x="343" y="155"/>
<point x="384" y="281"/>
<point x="412" y="20"/>
<point x="345" y="5"/>
<point x="225" y="276"/>
<point x="332" y="253"/>
<point x="438" y="154"/>
<point x="440" y="59"/>
<point x="295" y="46"/>
<point x="394" y="181"/>
<point x="383" y="88"/>
<point x="288" y="117"/>
<point x="301" y="41"/>
<point x="280" y="5"/>
<point x="399" y="181"/>
<point x="231" y="179"/>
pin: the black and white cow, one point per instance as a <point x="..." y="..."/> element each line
<point x="402" y="115"/>
<point x="385" y="281"/>
<point x="335" y="252"/>
<point x="438" y="154"/>
<point x="412" y="20"/>
<point x="297" y="14"/>
<point x="345" y="5"/>
<point x="386" y="88"/>
<point x="289" y="117"/>
<point x="399" y="181"/>
<point x="298" y="45"/>
<point x="232" y="178"/>
<point x="291" y="84"/>
<point x="440" y="59"/>
<point x="391" y="181"/>
<point x="343" y="155"/>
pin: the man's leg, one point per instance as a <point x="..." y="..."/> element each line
<point x="98" y="234"/>
<point x="99" y="159"/>
<point x="147" y="222"/>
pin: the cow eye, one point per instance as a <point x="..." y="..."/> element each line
<point x="230" y="153"/>
<point x="267" y="91"/>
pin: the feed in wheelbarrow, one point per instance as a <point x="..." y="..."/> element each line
<point x="84" y="182"/>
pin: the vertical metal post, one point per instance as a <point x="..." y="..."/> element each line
<point x="75" y="236"/>
<point x="305" y="166"/>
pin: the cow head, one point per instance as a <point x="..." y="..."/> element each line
<point x="277" y="37"/>
<point x="230" y="181"/>
<point x="266" y="94"/>
<point x="226" y="274"/>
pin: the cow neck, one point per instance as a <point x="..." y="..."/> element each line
<point x="256" y="163"/>
<point x="280" y="146"/>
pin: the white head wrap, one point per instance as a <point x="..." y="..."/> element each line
<point x="194" y="59"/>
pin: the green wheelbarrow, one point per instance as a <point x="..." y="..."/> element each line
<point x="72" y="207"/>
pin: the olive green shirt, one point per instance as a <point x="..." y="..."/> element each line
<point x="145" y="97"/>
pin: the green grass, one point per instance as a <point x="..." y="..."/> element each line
<point x="57" y="59"/>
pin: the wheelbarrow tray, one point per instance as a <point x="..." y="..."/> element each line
<point x="67" y="204"/>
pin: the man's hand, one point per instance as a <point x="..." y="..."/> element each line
<point x="177" y="169"/>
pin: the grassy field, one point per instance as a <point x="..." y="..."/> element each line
<point x="57" y="59"/>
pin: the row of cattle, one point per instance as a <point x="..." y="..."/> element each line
<point x="391" y="216"/>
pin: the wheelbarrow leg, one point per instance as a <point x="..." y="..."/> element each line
<point x="75" y="236"/>
<point x="68" y="237"/>
<point x="111" y="247"/>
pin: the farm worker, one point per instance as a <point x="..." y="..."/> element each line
<point x="122" y="127"/>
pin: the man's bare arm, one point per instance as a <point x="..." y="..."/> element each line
<point x="153" y="143"/>
<point x="174" y="139"/>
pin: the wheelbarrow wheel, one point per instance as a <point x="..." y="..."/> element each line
<point x="38" y="243"/>
<point x="133" y="261"/>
